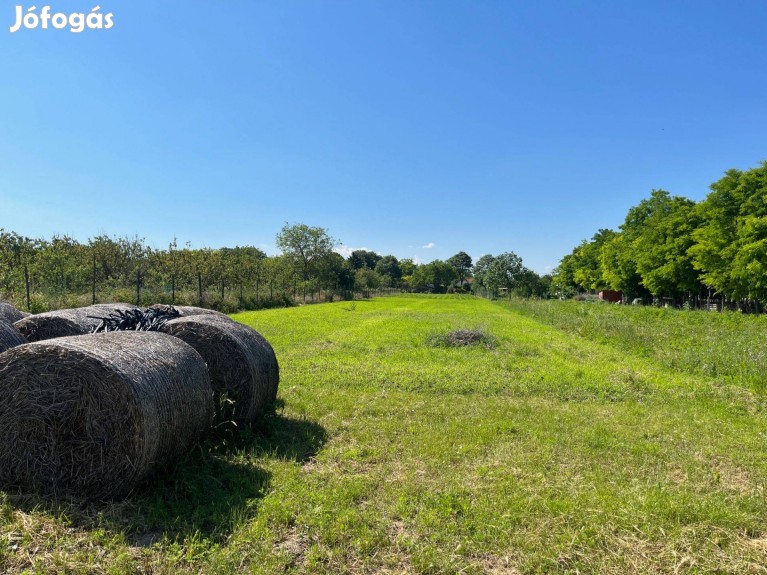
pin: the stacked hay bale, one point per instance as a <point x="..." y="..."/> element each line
<point x="10" y="314"/>
<point x="9" y="336"/>
<point x="66" y="322"/>
<point x="242" y="365"/>
<point x="93" y="415"/>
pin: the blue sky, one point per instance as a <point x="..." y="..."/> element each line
<point x="411" y="128"/>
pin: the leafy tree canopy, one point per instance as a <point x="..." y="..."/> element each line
<point x="363" y="259"/>
<point x="462" y="264"/>
<point x="389" y="269"/>
<point x="305" y="244"/>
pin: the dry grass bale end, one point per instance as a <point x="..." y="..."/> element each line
<point x="10" y="314"/>
<point x="65" y="322"/>
<point x="93" y="415"/>
<point x="190" y="310"/>
<point x="9" y="336"/>
<point x="242" y="365"/>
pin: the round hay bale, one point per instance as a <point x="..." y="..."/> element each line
<point x="190" y="310"/>
<point x="9" y="336"/>
<point x="93" y="415"/>
<point x="242" y="365"/>
<point x="10" y="314"/>
<point x="65" y="322"/>
<point x="49" y="325"/>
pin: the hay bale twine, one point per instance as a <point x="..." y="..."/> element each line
<point x="9" y="336"/>
<point x="10" y="314"/>
<point x="65" y="322"/>
<point x="242" y="365"/>
<point x="94" y="415"/>
<point x="190" y="310"/>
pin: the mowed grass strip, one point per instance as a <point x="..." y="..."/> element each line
<point x="543" y="453"/>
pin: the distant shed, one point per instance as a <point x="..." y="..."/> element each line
<point x="611" y="295"/>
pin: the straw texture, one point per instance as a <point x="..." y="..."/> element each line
<point x="10" y="314"/>
<point x="94" y="415"/>
<point x="242" y="365"/>
<point x="9" y="336"/>
<point x="65" y="322"/>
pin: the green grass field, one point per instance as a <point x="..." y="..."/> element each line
<point x="605" y="446"/>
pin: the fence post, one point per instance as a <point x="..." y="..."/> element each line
<point x="138" y="287"/>
<point x="26" y="281"/>
<point x="93" y="299"/>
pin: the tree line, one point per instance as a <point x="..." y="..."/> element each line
<point x="41" y="274"/>
<point x="674" y="249"/>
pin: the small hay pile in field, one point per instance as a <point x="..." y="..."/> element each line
<point x="462" y="338"/>
<point x="9" y="336"/>
<point x="93" y="415"/>
<point x="242" y="365"/>
<point x="66" y="322"/>
<point x="10" y="314"/>
<point x="190" y="310"/>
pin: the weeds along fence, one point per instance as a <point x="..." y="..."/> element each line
<point x="34" y="291"/>
<point x="695" y="302"/>
<point x="726" y="346"/>
<point x="43" y="275"/>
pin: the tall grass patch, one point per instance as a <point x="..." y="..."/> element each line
<point x="728" y="347"/>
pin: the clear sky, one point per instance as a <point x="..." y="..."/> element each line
<point x="411" y="128"/>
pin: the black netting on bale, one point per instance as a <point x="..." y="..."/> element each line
<point x="66" y="322"/>
<point x="150" y="319"/>
<point x="94" y="415"/>
<point x="10" y="314"/>
<point x="242" y="365"/>
<point x="9" y="336"/>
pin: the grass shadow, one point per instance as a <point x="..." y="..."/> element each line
<point x="278" y="436"/>
<point x="205" y="495"/>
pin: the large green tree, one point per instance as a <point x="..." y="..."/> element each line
<point x="504" y="273"/>
<point x="306" y="246"/>
<point x="588" y="272"/>
<point x="661" y="245"/>
<point x="481" y="268"/>
<point x="389" y="269"/>
<point x="730" y="241"/>
<point x="433" y="277"/>
<point x="366" y="280"/>
<point x="363" y="259"/>
<point x="462" y="264"/>
<point x="619" y="267"/>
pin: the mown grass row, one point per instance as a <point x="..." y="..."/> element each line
<point x="544" y="452"/>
